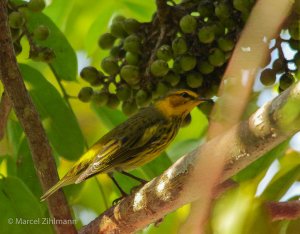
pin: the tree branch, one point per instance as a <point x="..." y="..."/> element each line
<point x="239" y="146"/>
<point x="5" y="108"/>
<point x="237" y="81"/>
<point x="283" y="210"/>
<point x="30" y="121"/>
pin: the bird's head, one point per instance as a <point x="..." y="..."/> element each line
<point x="179" y="103"/>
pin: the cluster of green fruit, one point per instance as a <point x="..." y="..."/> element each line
<point x="17" y="18"/>
<point x="190" y="49"/>
<point x="280" y="67"/>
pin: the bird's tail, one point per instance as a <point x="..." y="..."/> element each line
<point x="63" y="182"/>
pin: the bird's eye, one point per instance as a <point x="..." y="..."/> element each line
<point x="185" y="95"/>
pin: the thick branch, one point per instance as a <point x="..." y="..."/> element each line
<point x="283" y="210"/>
<point x="30" y="121"/>
<point x="236" y="87"/>
<point x="185" y="181"/>
<point x="5" y="108"/>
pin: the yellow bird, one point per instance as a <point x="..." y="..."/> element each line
<point x="133" y="143"/>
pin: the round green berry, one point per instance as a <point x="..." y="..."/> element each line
<point x="164" y="52"/>
<point x="85" y="94"/>
<point x="159" y="68"/>
<point x="218" y="29"/>
<point x="179" y="46"/>
<point x="130" y="74"/>
<point x="129" y="108"/>
<point x="205" y="67"/>
<point x="118" y="18"/>
<point x="100" y="98"/>
<point x="188" y="24"/>
<point x="117" y="52"/>
<point x="90" y="74"/>
<point x="36" y="5"/>
<point x="110" y="65"/>
<point x="205" y="9"/>
<point x="172" y="78"/>
<point x="194" y="79"/>
<point x="132" y="58"/>
<point x="222" y="11"/>
<point x="117" y="30"/>
<point x="16" y="20"/>
<point x="43" y="54"/>
<point x="41" y="33"/>
<point x="113" y="101"/>
<point x="187" y="62"/>
<point x="142" y="98"/>
<point x="176" y="68"/>
<point x="241" y="5"/>
<point x="286" y="80"/>
<point x="123" y="92"/>
<point x="132" y="43"/>
<point x="206" y="34"/>
<point x="216" y="58"/>
<point x="131" y="25"/>
<point x="268" y="77"/>
<point x="48" y="55"/>
<point x="225" y="44"/>
<point x="106" y="41"/>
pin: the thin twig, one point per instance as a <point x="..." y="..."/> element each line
<point x="5" y="108"/>
<point x="162" y="12"/>
<point x="29" y="118"/>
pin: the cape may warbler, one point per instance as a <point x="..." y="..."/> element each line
<point x="134" y="142"/>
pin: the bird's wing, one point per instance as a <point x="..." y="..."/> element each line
<point x="119" y="150"/>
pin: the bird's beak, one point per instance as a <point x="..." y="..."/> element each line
<point x="201" y="99"/>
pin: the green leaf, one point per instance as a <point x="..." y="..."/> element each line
<point x="26" y="170"/>
<point x="64" y="65"/>
<point x="15" y="133"/>
<point x="59" y="11"/>
<point x="61" y="125"/>
<point x="10" y="163"/>
<point x="287" y="175"/>
<point x="261" y="164"/>
<point x="17" y="204"/>
<point x="109" y="117"/>
<point x="101" y="23"/>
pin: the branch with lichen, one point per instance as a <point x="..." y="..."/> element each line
<point x="28" y="116"/>
<point x="248" y="141"/>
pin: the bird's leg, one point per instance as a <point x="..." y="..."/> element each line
<point x="134" y="177"/>
<point x="123" y="194"/>
<point x="142" y="181"/>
